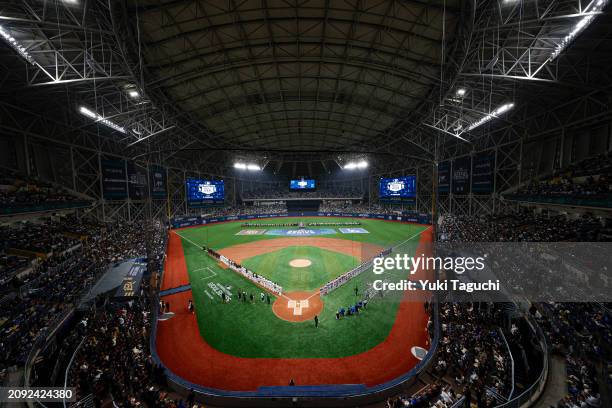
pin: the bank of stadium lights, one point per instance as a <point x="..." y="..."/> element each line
<point x="355" y="165"/>
<point x="21" y="50"/>
<point x="598" y="6"/>
<point x="458" y="96"/>
<point x="95" y="116"/>
<point x="245" y="166"/>
<point x="502" y="109"/>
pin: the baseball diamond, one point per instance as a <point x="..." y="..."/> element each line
<point x="313" y="203"/>
<point x="257" y="326"/>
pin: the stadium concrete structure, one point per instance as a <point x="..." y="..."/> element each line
<point x="194" y="194"/>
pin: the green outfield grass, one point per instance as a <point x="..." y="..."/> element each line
<point x="252" y="330"/>
<point x="222" y="235"/>
<point x="326" y="265"/>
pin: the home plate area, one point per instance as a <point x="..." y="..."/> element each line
<point x="298" y="306"/>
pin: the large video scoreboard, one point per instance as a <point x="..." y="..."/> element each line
<point x="398" y="188"/>
<point x="302" y="184"/>
<point x="204" y="192"/>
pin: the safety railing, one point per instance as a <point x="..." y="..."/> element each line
<point x="501" y="332"/>
<point x="69" y="366"/>
<point x="43" y="337"/>
<point x="532" y="393"/>
<point x="601" y="201"/>
<point x="459" y="403"/>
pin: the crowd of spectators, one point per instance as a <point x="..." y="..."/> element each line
<point x="433" y="395"/>
<point x="22" y="193"/>
<point x="320" y="192"/>
<point x="590" y="178"/>
<point x="60" y="277"/>
<point x="472" y="351"/>
<point x="280" y="207"/>
<point x="20" y="244"/>
<point x="235" y="211"/>
<point x="275" y="208"/>
<point x="579" y="331"/>
<point x="523" y="226"/>
<point x="25" y="315"/>
<point x="582" y="333"/>
<point x="44" y="237"/>
<point x="113" y="363"/>
<point x="349" y="207"/>
<point x="11" y="264"/>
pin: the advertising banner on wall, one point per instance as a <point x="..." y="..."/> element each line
<point x="483" y="173"/>
<point x="157" y="182"/>
<point x="461" y="175"/>
<point x="114" y="181"/>
<point x="181" y="222"/>
<point x="444" y="177"/>
<point x="137" y="181"/>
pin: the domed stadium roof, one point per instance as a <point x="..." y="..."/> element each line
<point x="304" y="81"/>
<point x="311" y="75"/>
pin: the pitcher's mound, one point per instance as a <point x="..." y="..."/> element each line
<point x="300" y="263"/>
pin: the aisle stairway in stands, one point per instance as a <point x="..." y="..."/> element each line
<point x="556" y="386"/>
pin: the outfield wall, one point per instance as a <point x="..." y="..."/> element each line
<point x="199" y="220"/>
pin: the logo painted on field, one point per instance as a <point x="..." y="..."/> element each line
<point x="252" y="232"/>
<point x="354" y="231"/>
<point x="219" y="289"/>
<point x="301" y="232"/>
<point x="297" y="306"/>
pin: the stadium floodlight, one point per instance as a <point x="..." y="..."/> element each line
<point x="597" y="7"/>
<point x="461" y="92"/>
<point x="504" y="108"/>
<point x="95" y="116"/>
<point x="87" y="112"/>
<point x="355" y="165"/>
<point x="245" y="166"/>
<point x="134" y="94"/>
<point x="21" y="50"/>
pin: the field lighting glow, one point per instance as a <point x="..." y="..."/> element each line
<point x="504" y="108"/>
<point x="95" y="116"/>
<point x="249" y="166"/>
<point x="356" y="165"/>
<point x="583" y="23"/>
<point x="15" y="45"/>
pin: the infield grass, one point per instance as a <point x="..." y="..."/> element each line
<point x="325" y="266"/>
<point x="248" y="329"/>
